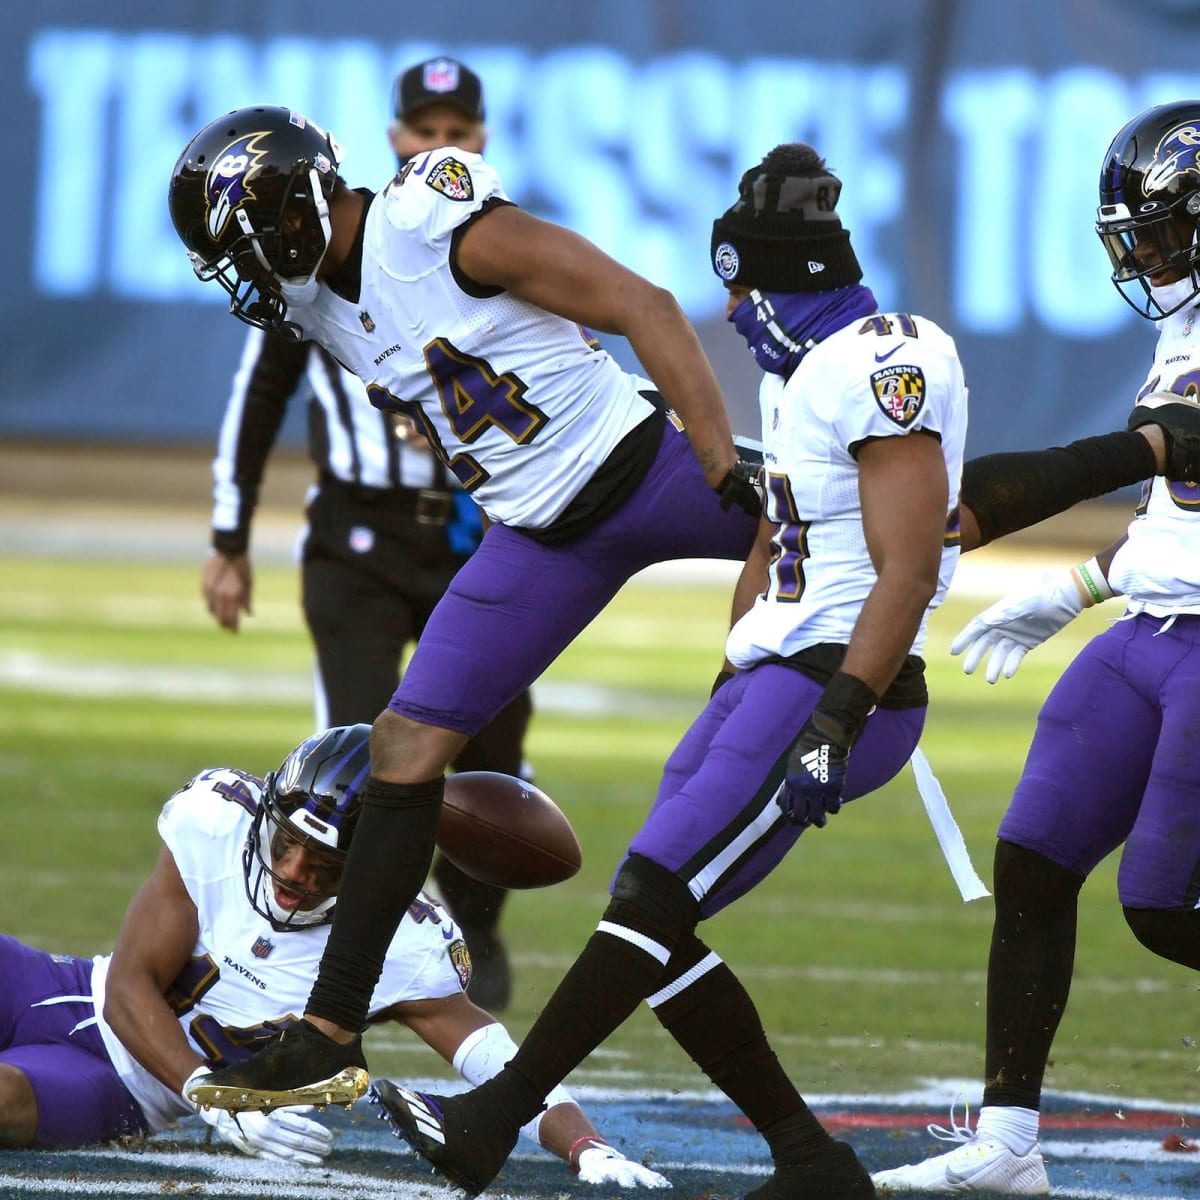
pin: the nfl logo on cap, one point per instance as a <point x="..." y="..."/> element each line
<point x="441" y="75"/>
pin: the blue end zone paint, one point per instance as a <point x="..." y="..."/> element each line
<point x="1094" y="1151"/>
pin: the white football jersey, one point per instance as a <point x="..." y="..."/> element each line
<point x="245" y="979"/>
<point x="1158" y="568"/>
<point x="887" y="376"/>
<point x="522" y="405"/>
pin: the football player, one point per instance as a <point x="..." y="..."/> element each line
<point x="826" y="698"/>
<point x="386" y="524"/>
<point x="217" y="950"/>
<point x="1115" y="759"/>
<point x="463" y="313"/>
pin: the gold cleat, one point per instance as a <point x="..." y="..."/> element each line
<point x="347" y="1086"/>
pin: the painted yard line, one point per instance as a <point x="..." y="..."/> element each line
<point x="888" y="977"/>
<point x="187" y="683"/>
<point x="1131" y="1150"/>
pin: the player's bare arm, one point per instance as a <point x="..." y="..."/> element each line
<point x="157" y="936"/>
<point x="566" y="274"/>
<point x="904" y="492"/>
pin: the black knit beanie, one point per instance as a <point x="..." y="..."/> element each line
<point x="782" y="234"/>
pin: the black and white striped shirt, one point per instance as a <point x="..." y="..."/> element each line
<point x="348" y="439"/>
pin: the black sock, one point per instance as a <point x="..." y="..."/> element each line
<point x="607" y="982"/>
<point x="385" y="868"/>
<point x="1029" y="971"/>
<point x="619" y="967"/>
<point x="706" y="1009"/>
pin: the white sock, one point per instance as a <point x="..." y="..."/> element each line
<point x="1017" y="1128"/>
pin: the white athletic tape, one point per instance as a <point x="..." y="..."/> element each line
<point x="949" y="836"/>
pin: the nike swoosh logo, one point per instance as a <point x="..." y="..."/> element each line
<point x="885" y="357"/>
<point x="447" y="934"/>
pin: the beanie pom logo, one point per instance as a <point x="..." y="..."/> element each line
<point x="726" y="261"/>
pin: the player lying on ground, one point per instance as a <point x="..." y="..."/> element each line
<point x="217" y="951"/>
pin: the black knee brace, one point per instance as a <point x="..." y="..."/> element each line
<point x="1171" y="933"/>
<point x="652" y="901"/>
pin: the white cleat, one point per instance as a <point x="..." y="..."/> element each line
<point x="980" y="1164"/>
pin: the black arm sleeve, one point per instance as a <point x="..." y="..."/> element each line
<point x="255" y="412"/>
<point x="1007" y="492"/>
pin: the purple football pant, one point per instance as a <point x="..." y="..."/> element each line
<point x="515" y="604"/>
<point x="715" y="822"/>
<point x="1116" y="758"/>
<point x="56" y="1046"/>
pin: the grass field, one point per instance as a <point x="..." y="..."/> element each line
<point x="115" y="688"/>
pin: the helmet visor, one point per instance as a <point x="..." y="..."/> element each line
<point x="1143" y="248"/>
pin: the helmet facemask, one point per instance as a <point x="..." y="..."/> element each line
<point x="1162" y="237"/>
<point x="309" y="808"/>
<point x="274" y="262"/>
<point x="278" y="835"/>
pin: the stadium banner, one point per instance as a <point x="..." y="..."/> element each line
<point x="969" y="137"/>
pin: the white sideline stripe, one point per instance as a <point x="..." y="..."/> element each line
<point x="882" y="976"/>
<point x="1132" y="1150"/>
<point x="36" y="672"/>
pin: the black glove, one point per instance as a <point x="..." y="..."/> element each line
<point x="1179" y="419"/>
<point x="740" y="487"/>
<point x="816" y="765"/>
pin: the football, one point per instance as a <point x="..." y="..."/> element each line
<point x="506" y="832"/>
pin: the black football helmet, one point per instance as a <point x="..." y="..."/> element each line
<point x="1150" y="208"/>
<point x="249" y="198"/>
<point x="313" y="801"/>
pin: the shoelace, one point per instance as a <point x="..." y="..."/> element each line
<point x="956" y="1132"/>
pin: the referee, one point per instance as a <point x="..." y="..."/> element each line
<point x="387" y="527"/>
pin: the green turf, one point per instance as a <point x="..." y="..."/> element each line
<point x="115" y="688"/>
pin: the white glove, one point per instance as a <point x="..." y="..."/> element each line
<point x="1015" y="624"/>
<point x="283" y="1134"/>
<point x="604" y="1164"/>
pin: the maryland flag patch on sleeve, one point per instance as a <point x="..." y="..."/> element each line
<point x="900" y="393"/>
<point x="452" y="179"/>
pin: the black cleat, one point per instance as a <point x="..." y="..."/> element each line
<point x="461" y="1137"/>
<point x="834" y="1173"/>
<point x="299" y="1065"/>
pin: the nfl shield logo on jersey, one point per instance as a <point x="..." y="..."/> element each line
<point x="900" y="393"/>
<point x="367" y="322"/>
<point x="262" y="947"/>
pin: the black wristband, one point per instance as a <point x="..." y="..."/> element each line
<point x="230" y="542"/>
<point x="1012" y="491"/>
<point x="844" y="707"/>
